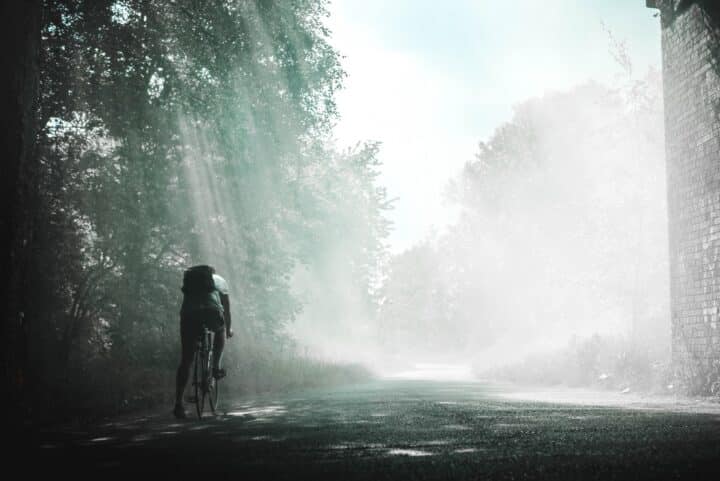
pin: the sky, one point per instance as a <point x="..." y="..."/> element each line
<point x="431" y="79"/>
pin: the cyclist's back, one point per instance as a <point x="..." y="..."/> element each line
<point x="201" y="297"/>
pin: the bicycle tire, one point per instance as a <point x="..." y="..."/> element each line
<point x="210" y="384"/>
<point x="197" y="383"/>
<point x="206" y="373"/>
<point x="206" y="386"/>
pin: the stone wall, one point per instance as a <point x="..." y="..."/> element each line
<point x="692" y="103"/>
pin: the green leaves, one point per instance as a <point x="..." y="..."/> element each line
<point x="198" y="132"/>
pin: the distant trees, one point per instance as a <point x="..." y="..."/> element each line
<point x="174" y="133"/>
<point x="562" y="229"/>
<point x="419" y="305"/>
<point x="345" y="257"/>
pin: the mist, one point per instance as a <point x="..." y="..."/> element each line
<point x="176" y="135"/>
<point x="560" y="239"/>
<point x="326" y="239"/>
<point x="551" y="242"/>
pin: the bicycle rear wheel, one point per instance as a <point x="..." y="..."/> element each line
<point x="198" y="382"/>
<point x="206" y="386"/>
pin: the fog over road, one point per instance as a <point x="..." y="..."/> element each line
<point x="403" y="429"/>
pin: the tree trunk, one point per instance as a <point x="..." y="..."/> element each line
<point x="19" y="53"/>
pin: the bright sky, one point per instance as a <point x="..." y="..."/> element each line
<point x="430" y="79"/>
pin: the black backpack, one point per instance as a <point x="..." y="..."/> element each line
<point x="198" y="280"/>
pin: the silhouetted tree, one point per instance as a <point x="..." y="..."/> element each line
<point x="21" y="23"/>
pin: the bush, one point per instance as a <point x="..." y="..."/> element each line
<point x="100" y="388"/>
<point x="597" y="362"/>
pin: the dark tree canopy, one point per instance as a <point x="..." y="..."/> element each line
<point x="172" y="133"/>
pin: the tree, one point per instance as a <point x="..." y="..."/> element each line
<point x="562" y="227"/>
<point x="175" y="133"/>
<point x="20" y="49"/>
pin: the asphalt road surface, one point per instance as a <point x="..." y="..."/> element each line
<point x="397" y="430"/>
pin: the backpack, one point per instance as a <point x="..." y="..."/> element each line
<point x="198" y="280"/>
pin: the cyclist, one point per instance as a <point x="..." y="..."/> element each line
<point x="206" y="302"/>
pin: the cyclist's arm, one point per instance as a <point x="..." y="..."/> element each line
<point x="225" y="299"/>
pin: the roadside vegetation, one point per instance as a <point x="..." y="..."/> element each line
<point x="180" y="133"/>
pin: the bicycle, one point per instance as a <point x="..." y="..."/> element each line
<point x="205" y="385"/>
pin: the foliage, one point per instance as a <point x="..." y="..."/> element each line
<point x="598" y="362"/>
<point x="177" y="133"/>
<point x="562" y="229"/>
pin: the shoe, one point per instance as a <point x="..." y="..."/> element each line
<point x="219" y="373"/>
<point x="179" y="412"/>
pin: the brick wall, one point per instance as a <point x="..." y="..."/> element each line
<point x="692" y="100"/>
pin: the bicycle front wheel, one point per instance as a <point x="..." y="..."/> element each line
<point x="212" y="391"/>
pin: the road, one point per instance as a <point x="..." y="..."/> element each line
<point x="399" y="430"/>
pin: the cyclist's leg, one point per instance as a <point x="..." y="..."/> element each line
<point x="188" y="335"/>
